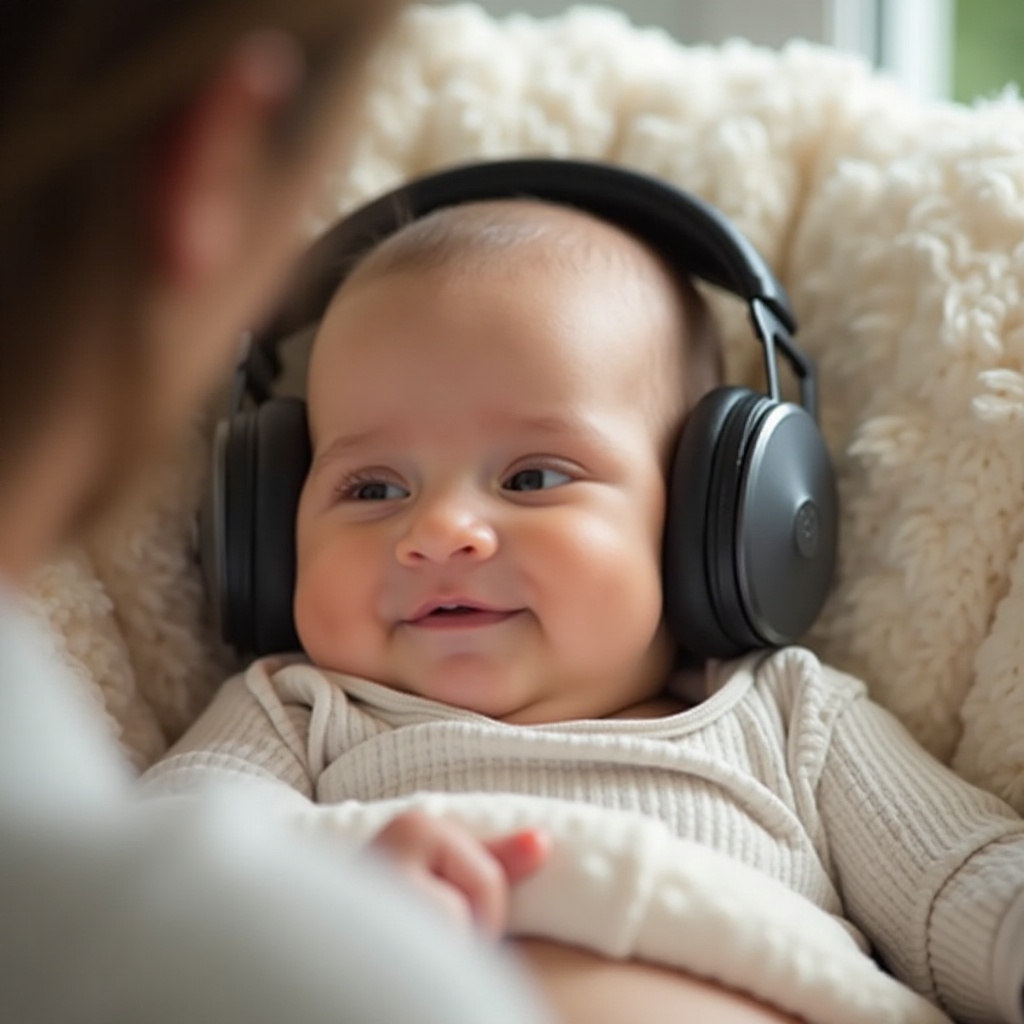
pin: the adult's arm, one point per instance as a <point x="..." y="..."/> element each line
<point x="115" y="909"/>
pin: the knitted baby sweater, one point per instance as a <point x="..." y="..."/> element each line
<point x="786" y="768"/>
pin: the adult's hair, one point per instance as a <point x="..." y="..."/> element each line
<point x="86" y="89"/>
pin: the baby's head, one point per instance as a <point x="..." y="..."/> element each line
<point x="494" y="395"/>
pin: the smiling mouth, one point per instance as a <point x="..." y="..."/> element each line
<point x="460" y="616"/>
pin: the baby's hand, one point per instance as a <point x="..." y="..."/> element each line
<point x="468" y="878"/>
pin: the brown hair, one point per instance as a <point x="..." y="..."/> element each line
<point x="87" y="88"/>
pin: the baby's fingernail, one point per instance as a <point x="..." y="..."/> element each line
<point x="532" y="841"/>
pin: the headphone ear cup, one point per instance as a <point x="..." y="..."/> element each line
<point x="694" y="532"/>
<point x="247" y="524"/>
<point x="751" y="526"/>
<point x="282" y="459"/>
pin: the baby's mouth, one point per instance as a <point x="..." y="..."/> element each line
<point x="448" y="610"/>
<point x="458" y="615"/>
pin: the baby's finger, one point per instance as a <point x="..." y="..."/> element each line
<point x="521" y="853"/>
<point x="465" y="863"/>
<point x="408" y="837"/>
<point x="445" y="898"/>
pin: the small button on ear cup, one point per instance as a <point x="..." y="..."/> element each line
<point x="692" y="525"/>
<point x="282" y="457"/>
<point x="807" y="528"/>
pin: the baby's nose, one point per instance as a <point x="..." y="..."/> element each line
<point x="444" y="532"/>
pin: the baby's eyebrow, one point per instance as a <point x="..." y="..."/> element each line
<point x="339" y="447"/>
<point x="555" y="424"/>
<point x="562" y="424"/>
<point x="551" y="423"/>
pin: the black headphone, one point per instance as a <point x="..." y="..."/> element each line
<point x="751" y="525"/>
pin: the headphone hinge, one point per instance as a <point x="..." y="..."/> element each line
<point x="772" y="330"/>
<point x="259" y="369"/>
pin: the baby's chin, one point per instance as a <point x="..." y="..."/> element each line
<point x="518" y="705"/>
<point x="519" y="695"/>
<point x="478" y="686"/>
<point x="479" y="692"/>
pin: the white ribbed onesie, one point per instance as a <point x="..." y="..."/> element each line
<point x="786" y="767"/>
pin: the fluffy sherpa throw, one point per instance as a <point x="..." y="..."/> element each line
<point x="898" y="228"/>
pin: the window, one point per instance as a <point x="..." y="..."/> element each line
<point x="988" y="49"/>
<point x="915" y="41"/>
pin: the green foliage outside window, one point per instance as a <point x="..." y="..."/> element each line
<point x="988" y="51"/>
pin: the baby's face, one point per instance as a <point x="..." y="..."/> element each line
<point x="482" y="521"/>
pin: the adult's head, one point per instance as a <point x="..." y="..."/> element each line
<point x="157" y="159"/>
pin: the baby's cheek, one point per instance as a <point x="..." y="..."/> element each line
<point x="613" y="586"/>
<point x="327" y="605"/>
<point x="312" y="613"/>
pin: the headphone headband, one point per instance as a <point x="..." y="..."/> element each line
<point x="690" y="234"/>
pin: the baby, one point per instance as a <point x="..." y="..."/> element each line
<point x="493" y="398"/>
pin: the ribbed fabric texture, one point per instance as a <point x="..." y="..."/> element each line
<point x="785" y="767"/>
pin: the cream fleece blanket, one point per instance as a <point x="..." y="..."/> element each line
<point x="896" y="226"/>
<point x="623" y="885"/>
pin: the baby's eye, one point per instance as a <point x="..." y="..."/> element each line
<point x="536" y="480"/>
<point x="379" y="490"/>
<point x="359" y="488"/>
